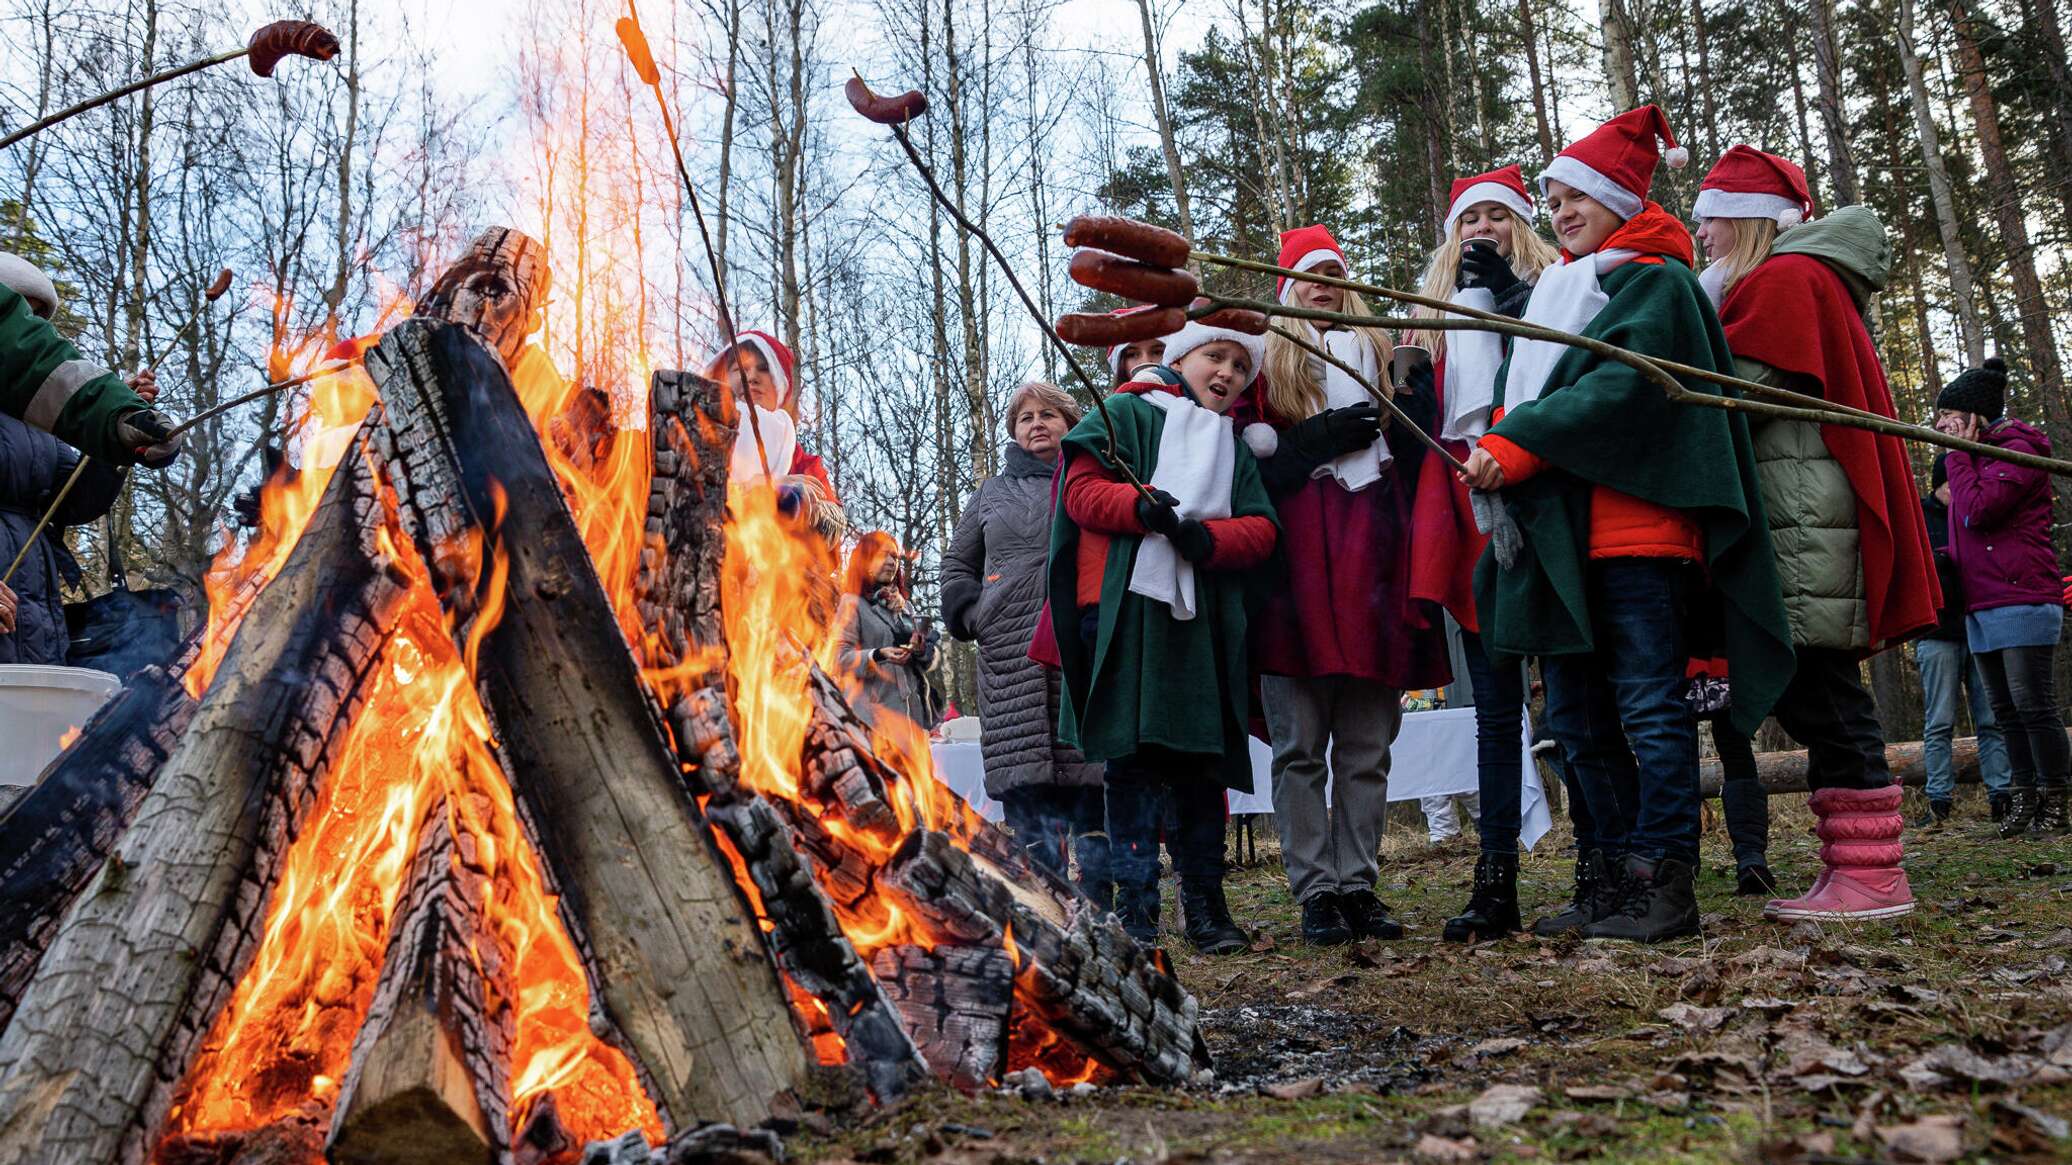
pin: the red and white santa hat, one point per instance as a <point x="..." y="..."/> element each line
<point x="1197" y="333"/>
<point x="1615" y="163"/>
<point x="1505" y="187"/>
<point x="1115" y="367"/>
<point x="1748" y="183"/>
<point x="781" y="363"/>
<point x="1305" y="249"/>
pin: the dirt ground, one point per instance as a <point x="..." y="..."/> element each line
<point x="1945" y="1035"/>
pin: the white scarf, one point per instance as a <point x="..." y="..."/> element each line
<point x="1714" y="280"/>
<point x="1197" y="454"/>
<point x="1362" y="467"/>
<point x="780" y="439"/>
<point x="1472" y="360"/>
<point x="1566" y="298"/>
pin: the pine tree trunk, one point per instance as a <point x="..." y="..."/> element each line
<point x="2030" y="307"/>
<point x="2053" y="34"/>
<point x="1827" y="65"/>
<point x="1965" y="304"/>
<point x="1541" y="125"/>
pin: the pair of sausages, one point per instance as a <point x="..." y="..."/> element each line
<point x="1106" y="331"/>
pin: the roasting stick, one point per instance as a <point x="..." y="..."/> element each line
<point x="262" y="391"/>
<point x="643" y="61"/>
<point x="1663" y="373"/>
<point x="214" y="292"/>
<point x="1381" y="398"/>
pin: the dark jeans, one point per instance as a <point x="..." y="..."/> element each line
<point x="1825" y="708"/>
<point x="1621" y="708"/>
<point x="1054" y="823"/>
<point x="1499" y="771"/>
<point x="1139" y="790"/>
<point x="1741" y="795"/>
<point x="2020" y="687"/>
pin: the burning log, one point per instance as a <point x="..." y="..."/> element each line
<point x="956" y="1001"/>
<point x="679" y="593"/>
<point x="63" y="828"/>
<point x="430" y="1076"/>
<point x="678" y="969"/>
<point x="149" y="952"/>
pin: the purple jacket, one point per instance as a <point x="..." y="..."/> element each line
<point x="2000" y="523"/>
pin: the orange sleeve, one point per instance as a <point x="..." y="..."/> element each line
<point x="1517" y="463"/>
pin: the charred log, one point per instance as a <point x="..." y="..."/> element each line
<point x="956" y="1002"/>
<point x="430" y="1076"/>
<point x="60" y="832"/>
<point x="678" y="970"/>
<point x="158" y="938"/>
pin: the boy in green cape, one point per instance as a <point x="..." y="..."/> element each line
<point x="1628" y="503"/>
<point x="1148" y="597"/>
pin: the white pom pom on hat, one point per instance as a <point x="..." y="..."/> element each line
<point x="1677" y="157"/>
<point x="1787" y="219"/>
<point x="1261" y="439"/>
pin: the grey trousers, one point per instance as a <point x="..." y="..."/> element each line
<point x="1330" y="849"/>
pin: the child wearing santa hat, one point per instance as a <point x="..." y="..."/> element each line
<point x="1852" y="549"/>
<point x="1626" y="502"/>
<point x="1148" y="595"/>
<point x="1335" y="645"/>
<point x="764" y="375"/>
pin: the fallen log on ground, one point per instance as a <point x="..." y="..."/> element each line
<point x="1785" y="772"/>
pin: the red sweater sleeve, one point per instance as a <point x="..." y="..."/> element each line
<point x="1518" y="463"/>
<point x="1099" y="501"/>
<point x="1241" y="543"/>
<point x="804" y="464"/>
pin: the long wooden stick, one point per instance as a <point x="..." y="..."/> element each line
<point x="1663" y="373"/>
<point x="1381" y="398"/>
<point x="37" y="127"/>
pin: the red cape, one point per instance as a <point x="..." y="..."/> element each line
<point x="1794" y="314"/>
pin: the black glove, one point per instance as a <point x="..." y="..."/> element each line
<point x="1422" y="382"/>
<point x="147" y="435"/>
<point x="1484" y="267"/>
<point x="1335" y="432"/>
<point x="1160" y="513"/>
<point x="1193" y="540"/>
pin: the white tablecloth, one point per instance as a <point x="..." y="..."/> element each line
<point x="1434" y="755"/>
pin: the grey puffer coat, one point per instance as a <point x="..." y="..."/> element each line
<point x="33" y="467"/>
<point x="992" y="591"/>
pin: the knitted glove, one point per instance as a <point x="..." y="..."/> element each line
<point x="1493" y="518"/>
<point x="1193" y="540"/>
<point x="147" y="434"/>
<point x="1159" y="513"/>
<point x="1484" y="267"/>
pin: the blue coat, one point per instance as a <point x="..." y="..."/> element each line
<point x="33" y="465"/>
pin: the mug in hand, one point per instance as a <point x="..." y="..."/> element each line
<point x="1460" y="279"/>
<point x="1408" y="358"/>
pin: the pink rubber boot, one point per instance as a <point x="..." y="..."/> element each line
<point x="1859" y="855"/>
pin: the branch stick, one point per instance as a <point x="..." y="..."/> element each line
<point x="37" y="127"/>
<point x="1380" y="398"/>
<point x="263" y="390"/>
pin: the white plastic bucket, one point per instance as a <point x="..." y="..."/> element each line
<point x="40" y="707"/>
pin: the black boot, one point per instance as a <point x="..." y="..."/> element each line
<point x="1368" y="917"/>
<point x="1136" y="907"/>
<point x="1207" y="918"/>
<point x="1755" y="882"/>
<point x="2021" y="811"/>
<point x="1938" y="812"/>
<point x="1588" y="903"/>
<point x="1656" y="901"/>
<point x="2050" y="812"/>
<point x="1493" y="907"/>
<point x="1996" y="805"/>
<point x="1323" y="923"/>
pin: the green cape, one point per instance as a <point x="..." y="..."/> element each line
<point x="1150" y="679"/>
<point x="1602" y="422"/>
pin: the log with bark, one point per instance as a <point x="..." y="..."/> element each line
<point x="146" y="956"/>
<point x="430" y="1076"/>
<point x="679" y="970"/>
<point x="1786" y="771"/>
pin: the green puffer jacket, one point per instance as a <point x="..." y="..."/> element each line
<point x="47" y="383"/>
<point x="1806" y="494"/>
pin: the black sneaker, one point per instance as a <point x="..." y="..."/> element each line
<point x="1206" y="918"/>
<point x="1656" y="901"/>
<point x="1323" y="923"/>
<point x="1367" y="916"/>
<point x="1589" y="902"/>
<point x="1755" y="882"/>
<point x="1938" y="812"/>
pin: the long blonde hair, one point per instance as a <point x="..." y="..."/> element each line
<point x="1530" y="255"/>
<point x="1293" y="392"/>
<point x="1754" y="239"/>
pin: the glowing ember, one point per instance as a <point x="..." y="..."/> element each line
<point x="71" y="734"/>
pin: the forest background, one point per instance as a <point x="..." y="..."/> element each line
<point x="336" y="191"/>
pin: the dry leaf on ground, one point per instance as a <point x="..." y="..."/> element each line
<point x="1930" y="1139"/>
<point x="1502" y="1104"/>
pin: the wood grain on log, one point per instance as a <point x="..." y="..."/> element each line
<point x="57" y="835"/>
<point x="154" y="944"/>
<point x="956" y="1002"/>
<point x="679" y="971"/>
<point x="430" y="1076"/>
<point x="1786" y="772"/>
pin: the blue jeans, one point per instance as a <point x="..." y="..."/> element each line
<point x="1621" y="708"/>
<point x="1499" y="769"/>
<point x="1947" y="665"/>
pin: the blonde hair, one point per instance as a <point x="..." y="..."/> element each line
<point x="1292" y="390"/>
<point x="1530" y="255"/>
<point x="1754" y="238"/>
<point x="1045" y="393"/>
